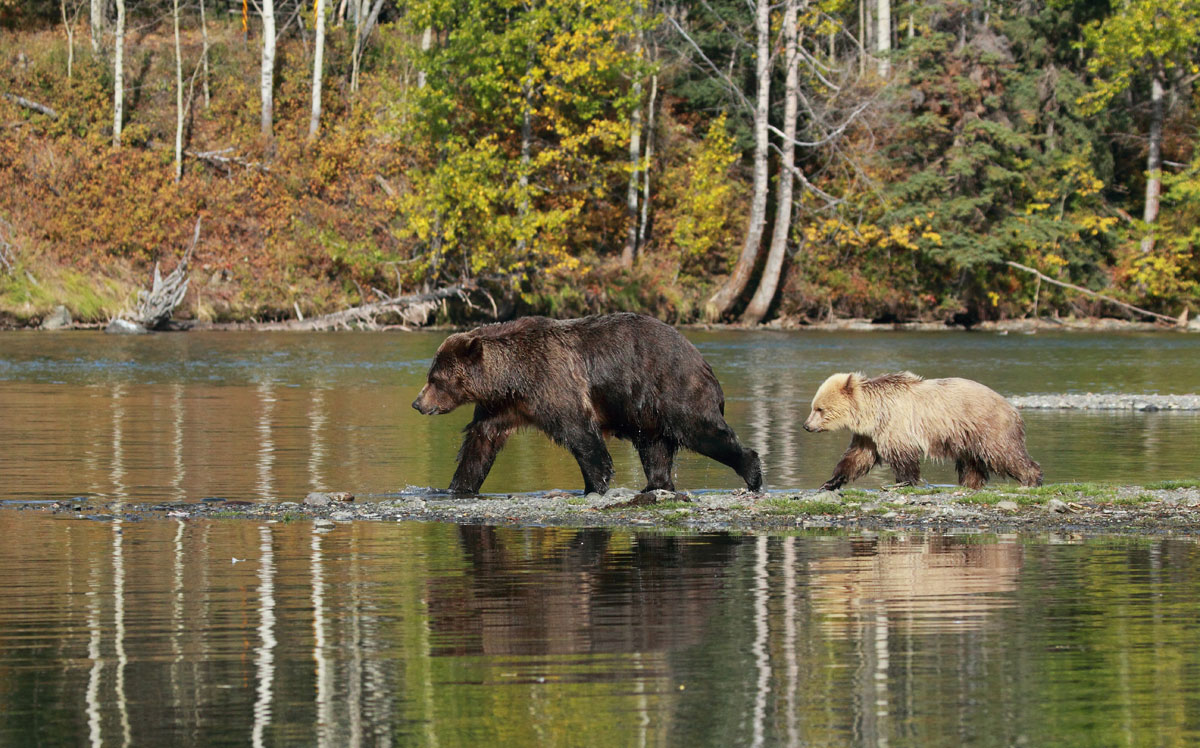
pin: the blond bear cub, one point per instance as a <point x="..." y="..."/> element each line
<point x="900" y="418"/>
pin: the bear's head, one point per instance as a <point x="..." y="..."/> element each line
<point x="835" y="406"/>
<point x="452" y="376"/>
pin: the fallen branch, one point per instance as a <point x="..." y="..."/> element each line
<point x="1073" y="287"/>
<point x="218" y="158"/>
<point x="412" y="309"/>
<point x="40" y="108"/>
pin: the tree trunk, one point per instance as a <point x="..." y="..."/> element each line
<point x="362" y="30"/>
<point x="631" y="196"/>
<point x="1154" y="156"/>
<point x="97" y="22"/>
<point x="178" y="94"/>
<point x="767" y="285"/>
<point x="649" y="157"/>
<point x="267" y="82"/>
<point x="426" y="45"/>
<point x="526" y="158"/>
<point x="68" y="24"/>
<point x="204" y="52"/>
<point x="725" y="297"/>
<point x="314" y="122"/>
<point x="119" y="75"/>
<point x="883" y="36"/>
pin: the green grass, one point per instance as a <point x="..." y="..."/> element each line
<point x="796" y="505"/>
<point x="89" y="298"/>
<point x="1141" y="498"/>
<point x="1166" y="485"/>
<point x="576" y="501"/>
<point x="1098" y="491"/>
<point x="855" y="493"/>
<point x="985" y="497"/>
<point x="924" y="490"/>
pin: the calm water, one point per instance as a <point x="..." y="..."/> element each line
<point x="210" y="632"/>
<point x="233" y="633"/>
<point x="267" y="416"/>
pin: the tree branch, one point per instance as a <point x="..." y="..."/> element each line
<point x="1080" y="289"/>
<point x="22" y="101"/>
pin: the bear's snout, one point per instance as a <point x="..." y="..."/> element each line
<point x="424" y="404"/>
<point x="812" y="424"/>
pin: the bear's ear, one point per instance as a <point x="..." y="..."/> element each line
<point x="474" y="349"/>
<point x="851" y="383"/>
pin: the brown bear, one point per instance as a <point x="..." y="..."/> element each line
<point x="627" y="375"/>
<point x="898" y="418"/>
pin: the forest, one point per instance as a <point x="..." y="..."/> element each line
<point x="794" y="161"/>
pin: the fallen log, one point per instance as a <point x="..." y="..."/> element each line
<point x="40" y="108"/>
<point x="411" y="309"/>
<point x="1081" y="289"/>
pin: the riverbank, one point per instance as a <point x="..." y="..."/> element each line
<point x="1168" y="507"/>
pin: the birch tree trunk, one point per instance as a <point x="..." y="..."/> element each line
<point x="1154" y="155"/>
<point x="631" y="196"/>
<point x="727" y="295"/>
<point x="178" y="93"/>
<point x="119" y="75"/>
<point x="645" y="219"/>
<point x="204" y="52"/>
<point x="883" y="36"/>
<point x="314" y="122"/>
<point x="268" y="68"/>
<point x="97" y="22"/>
<point x="69" y="25"/>
<point x="362" y="29"/>
<point x="526" y="158"/>
<point x="769" y="282"/>
<point x="426" y="45"/>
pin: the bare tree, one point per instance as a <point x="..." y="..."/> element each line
<point x="267" y="82"/>
<point x="97" y="23"/>
<point x="649" y="158"/>
<point x="362" y="29"/>
<point x="1154" y="154"/>
<point x="314" y="122"/>
<point x="769" y="282"/>
<point x="69" y="25"/>
<point x="727" y="295"/>
<point x="883" y="36"/>
<point x="635" y="153"/>
<point x="119" y="75"/>
<point x="204" y="52"/>
<point x="178" y="93"/>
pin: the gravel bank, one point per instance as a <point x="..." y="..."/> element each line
<point x="1092" y="401"/>
<point x="1168" y="507"/>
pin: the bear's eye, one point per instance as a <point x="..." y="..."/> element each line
<point x="818" y="410"/>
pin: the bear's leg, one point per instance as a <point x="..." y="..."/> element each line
<point x="1025" y="470"/>
<point x="906" y="468"/>
<point x="713" y="438"/>
<point x="857" y="461"/>
<point x="972" y="472"/>
<point x="658" y="459"/>
<point x="484" y="437"/>
<point x="586" y="443"/>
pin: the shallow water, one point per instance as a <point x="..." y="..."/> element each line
<point x="276" y="415"/>
<point x="213" y="632"/>
<point x="210" y="632"/>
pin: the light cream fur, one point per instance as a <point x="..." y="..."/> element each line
<point x="904" y="417"/>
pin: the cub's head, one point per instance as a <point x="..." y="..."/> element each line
<point x="452" y="376"/>
<point x="835" y="405"/>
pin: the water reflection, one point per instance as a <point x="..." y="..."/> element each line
<point x="433" y="635"/>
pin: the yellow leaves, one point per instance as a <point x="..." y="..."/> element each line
<point x="994" y="298"/>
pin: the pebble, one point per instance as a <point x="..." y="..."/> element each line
<point x="1057" y="506"/>
<point x="1007" y="506"/>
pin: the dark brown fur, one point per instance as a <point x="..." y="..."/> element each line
<point x="626" y="375"/>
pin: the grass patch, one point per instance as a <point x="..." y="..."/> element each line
<point x="90" y="298"/>
<point x="793" y="505"/>
<point x="1098" y="491"/>
<point x="985" y="497"/>
<point x="1141" y="498"/>
<point x="855" y="493"/>
<point x="924" y="490"/>
<point x="1167" y="485"/>
<point x="576" y="501"/>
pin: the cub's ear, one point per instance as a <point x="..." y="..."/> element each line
<point x="474" y="349"/>
<point x="853" y="380"/>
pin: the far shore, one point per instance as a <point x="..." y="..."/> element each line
<point x="1000" y="327"/>
<point x="1167" y="507"/>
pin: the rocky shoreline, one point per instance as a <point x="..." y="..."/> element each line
<point x="1169" y="507"/>
<point x="1107" y="401"/>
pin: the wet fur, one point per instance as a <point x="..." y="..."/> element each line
<point x="624" y="375"/>
<point x="901" y="418"/>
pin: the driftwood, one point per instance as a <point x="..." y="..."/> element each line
<point x="40" y="108"/>
<point x="411" y="309"/>
<point x="155" y="307"/>
<point x="1043" y="277"/>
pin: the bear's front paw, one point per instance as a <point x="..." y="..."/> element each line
<point x="832" y="484"/>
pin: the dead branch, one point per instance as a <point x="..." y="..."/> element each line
<point x="1080" y="289"/>
<point x="219" y="159"/>
<point x="6" y="259"/>
<point x="155" y="308"/>
<point x="22" y="101"/>
<point x="412" y="309"/>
